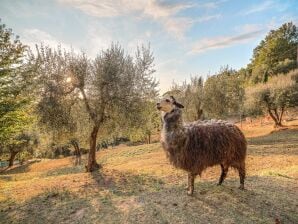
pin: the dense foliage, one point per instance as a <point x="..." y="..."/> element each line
<point x="15" y="79"/>
<point x="274" y="96"/>
<point x="277" y="53"/>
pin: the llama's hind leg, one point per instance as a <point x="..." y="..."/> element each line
<point x="224" y="171"/>
<point x="191" y="180"/>
<point x="241" y="170"/>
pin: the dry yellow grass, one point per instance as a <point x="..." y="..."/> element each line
<point x="256" y="128"/>
<point x="138" y="185"/>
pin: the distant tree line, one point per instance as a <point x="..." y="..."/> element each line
<point x="268" y="84"/>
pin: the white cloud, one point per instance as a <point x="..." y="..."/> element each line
<point x="112" y="8"/>
<point x="247" y="28"/>
<point x="211" y="4"/>
<point x="207" y="18"/>
<point x="160" y="12"/>
<point x="265" y="5"/>
<point x="103" y="8"/>
<point x="177" y="26"/>
<point x="31" y="37"/>
<point x="207" y="44"/>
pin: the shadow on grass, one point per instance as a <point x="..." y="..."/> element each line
<point x="65" y="171"/>
<point x="125" y="184"/>
<point x="278" y="137"/>
<point x="60" y="206"/>
<point x="116" y="197"/>
<point x="275" y="149"/>
<point x="18" y="169"/>
<point x="265" y="200"/>
<point x="283" y="142"/>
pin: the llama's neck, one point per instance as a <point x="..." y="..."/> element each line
<point x="173" y="137"/>
<point x="173" y="121"/>
<point x="173" y="126"/>
<point x="173" y="132"/>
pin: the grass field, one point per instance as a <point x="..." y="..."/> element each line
<point x="137" y="185"/>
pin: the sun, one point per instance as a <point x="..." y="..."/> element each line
<point x="68" y="80"/>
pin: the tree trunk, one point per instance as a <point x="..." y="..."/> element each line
<point x="92" y="164"/>
<point x="276" y="118"/>
<point x="280" y="116"/>
<point x="12" y="157"/>
<point x="199" y="113"/>
<point x="77" y="152"/>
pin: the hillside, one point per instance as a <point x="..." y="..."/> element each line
<point x="137" y="185"/>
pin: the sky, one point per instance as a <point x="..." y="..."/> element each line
<point x="188" y="38"/>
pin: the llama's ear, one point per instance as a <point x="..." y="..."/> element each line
<point x="178" y="105"/>
<point x="173" y="99"/>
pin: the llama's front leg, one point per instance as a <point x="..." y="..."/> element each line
<point x="191" y="180"/>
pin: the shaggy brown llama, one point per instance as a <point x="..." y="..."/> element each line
<point x="195" y="146"/>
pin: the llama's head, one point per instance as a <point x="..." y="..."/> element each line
<point x="171" y="111"/>
<point x="168" y="105"/>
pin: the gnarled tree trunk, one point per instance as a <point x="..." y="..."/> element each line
<point x="92" y="164"/>
<point x="276" y="117"/>
<point x="11" y="158"/>
<point x="77" y="152"/>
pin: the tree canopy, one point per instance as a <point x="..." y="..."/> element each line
<point x="223" y="94"/>
<point x="277" y="53"/>
<point x="275" y="96"/>
<point x="14" y="80"/>
<point x="112" y="88"/>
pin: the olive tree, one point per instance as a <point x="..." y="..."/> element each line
<point x="21" y="143"/>
<point x="111" y="87"/>
<point x="54" y="97"/>
<point x="223" y="94"/>
<point x="275" y="96"/>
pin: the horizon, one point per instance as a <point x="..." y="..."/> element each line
<point x="188" y="38"/>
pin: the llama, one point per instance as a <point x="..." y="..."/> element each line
<point x="195" y="146"/>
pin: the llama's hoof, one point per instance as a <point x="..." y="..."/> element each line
<point x="219" y="184"/>
<point x="189" y="193"/>
<point x="186" y="188"/>
<point x="242" y="188"/>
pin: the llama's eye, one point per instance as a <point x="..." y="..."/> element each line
<point x="167" y="100"/>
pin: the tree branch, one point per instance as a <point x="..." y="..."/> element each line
<point x="88" y="108"/>
<point x="69" y="91"/>
<point x="272" y="116"/>
<point x="281" y="114"/>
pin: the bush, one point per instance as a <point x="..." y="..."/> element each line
<point x="274" y="96"/>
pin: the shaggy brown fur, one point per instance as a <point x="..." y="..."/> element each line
<point x="194" y="147"/>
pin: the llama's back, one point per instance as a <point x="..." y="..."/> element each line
<point x="213" y="142"/>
